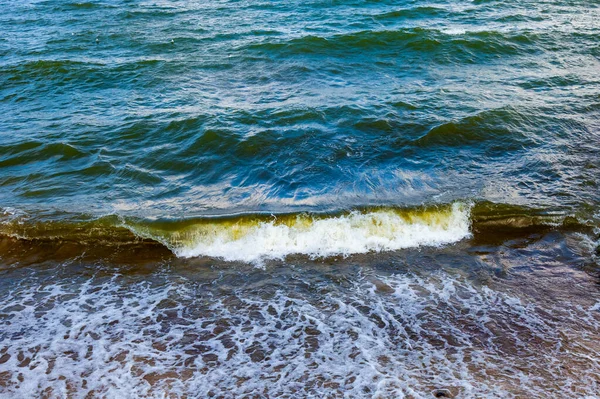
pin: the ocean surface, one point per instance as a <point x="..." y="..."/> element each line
<point x="300" y="199"/>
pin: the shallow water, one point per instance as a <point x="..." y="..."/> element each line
<point x="248" y="199"/>
<point x="519" y="319"/>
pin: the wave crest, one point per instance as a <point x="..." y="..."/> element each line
<point x="257" y="239"/>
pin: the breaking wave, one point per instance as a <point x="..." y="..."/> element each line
<point x="254" y="238"/>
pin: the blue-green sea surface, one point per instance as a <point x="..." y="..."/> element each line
<point x="299" y="199"/>
<point x="179" y="109"/>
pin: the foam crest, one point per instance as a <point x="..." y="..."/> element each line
<point x="353" y="233"/>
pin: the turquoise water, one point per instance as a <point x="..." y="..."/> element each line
<point x="171" y="109"/>
<point x="299" y="199"/>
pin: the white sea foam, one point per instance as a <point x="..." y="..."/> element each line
<point x="354" y="233"/>
<point x="401" y="336"/>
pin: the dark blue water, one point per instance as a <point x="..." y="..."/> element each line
<point x="174" y="109"/>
